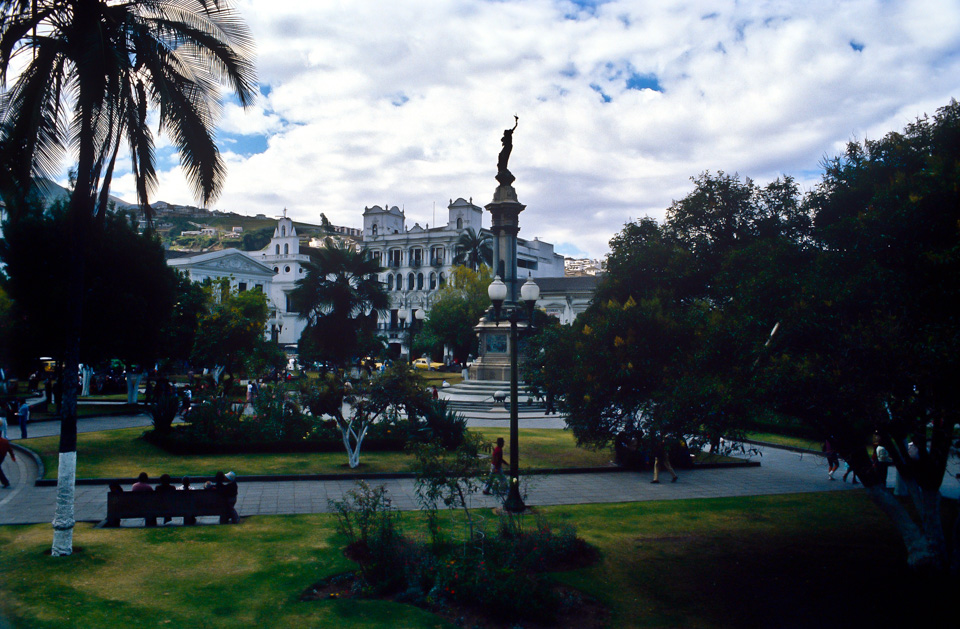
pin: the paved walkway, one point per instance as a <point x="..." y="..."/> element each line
<point x="781" y="472"/>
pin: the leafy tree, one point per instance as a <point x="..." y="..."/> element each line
<point x="474" y="248"/>
<point x="456" y="310"/>
<point x="370" y="400"/>
<point x="869" y="348"/>
<point x="130" y="291"/>
<point x="178" y="336"/>
<point x="230" y="333"/>
<point x="671" y="342"/>
<point x="87" y="83"/>
<point x="339" y="297"/>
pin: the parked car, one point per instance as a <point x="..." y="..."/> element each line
<point x="426" y="363"/>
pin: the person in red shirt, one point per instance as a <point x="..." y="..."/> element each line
<point x="496" y="466"/>
<point x="5" y="448"/>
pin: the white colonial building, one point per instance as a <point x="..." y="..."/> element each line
<point x="417" y="260"/>
<point x="272" y="270"/>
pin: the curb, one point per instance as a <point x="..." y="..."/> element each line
<point x="778" y="446"/>
<point x="41" y="470"/>
<point x="266" y="478"/>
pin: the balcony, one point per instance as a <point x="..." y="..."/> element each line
<point x="437" y="262"/>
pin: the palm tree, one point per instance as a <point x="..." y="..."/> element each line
<point x="338" y="296"/>
<point x="87" y="72"/>
<point x="474" y="248"/>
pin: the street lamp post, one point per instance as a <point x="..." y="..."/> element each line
<point x="529" y="293"/>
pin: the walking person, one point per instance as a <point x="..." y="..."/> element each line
<point x="5" y="448"/>
<point x="496" y="466"/>
<point x="833" y="459"/>
<point x="661" y="458"/>
<point x="24" y="414"/>
<point x="849" y="470"/>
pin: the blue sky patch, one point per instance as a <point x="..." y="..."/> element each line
<point x="644" y="82"/>
<point x="399" y="99"/>
<point x="569" y="71"/>
<point x="856" y="45"/>
<point x="599" y="90"/>
<point x="245" y="145"/>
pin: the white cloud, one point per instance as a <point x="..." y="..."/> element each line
<point x="759" y="88"/>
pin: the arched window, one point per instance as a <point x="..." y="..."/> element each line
<point x="389" y="282"/>
<point x="443" y="280"/>
<point x="419" y="281"/>
<point x="283" y="231"/>
<point x="399" y="282"/>
<point x="433" y="281"/>
<point x="374" y="229"/>
<point x="410" y="281"/>
<point x="459" y="223"/>
<point x="286" y="248"/>
<point x="278" y="249"/>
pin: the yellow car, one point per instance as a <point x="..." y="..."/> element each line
<point x="424" y="363"/>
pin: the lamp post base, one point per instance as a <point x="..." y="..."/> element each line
<point x="514" y="503"/>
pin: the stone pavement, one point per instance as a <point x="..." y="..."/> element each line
<point x="781" y="472"/>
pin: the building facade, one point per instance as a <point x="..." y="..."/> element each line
<point x="273" y="270"/>
<point x="417" y="260"/>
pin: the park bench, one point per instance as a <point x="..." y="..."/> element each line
<point x="169" y="504"/>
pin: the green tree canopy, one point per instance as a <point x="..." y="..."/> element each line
<point x="455" y="311"/>
<point x="230" y="334"/>
<point x="340" y="297"/>
<point x="474" y="248"/>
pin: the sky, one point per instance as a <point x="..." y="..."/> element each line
<point x="620" y="103"/>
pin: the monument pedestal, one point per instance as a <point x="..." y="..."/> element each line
<point x="493" y="362"/>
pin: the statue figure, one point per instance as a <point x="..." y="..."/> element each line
<point x="504" y="176"/>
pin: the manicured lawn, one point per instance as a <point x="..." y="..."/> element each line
<point x="811" y="560"/>
<point x="784" y="440"/>
<point x="121" y="453"/>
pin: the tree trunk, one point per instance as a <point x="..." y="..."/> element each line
<point x="133" y="387"/>
<point x="921" y="552"/>
<point x="87" y="379"/>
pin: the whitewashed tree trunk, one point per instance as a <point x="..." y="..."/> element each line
<point x="921" y="553"/>
<point x="352" y="441"/>
<point x="87" y="380"/>
<point x="63" y="519"/>
<point x="133" y="387"/>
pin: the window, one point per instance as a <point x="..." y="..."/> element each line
<point x="410" y="281"/>
<point x="399" y="282"/>
<point x="376" y="257"/>
<point x="459" y="223"/>
<point x="373" y="230"/>
<point x="416" y="257"/>
<point x="276" y="269"/>
<point x="433" y="281"/>
<point x="286" y="248"/>
<point x="289" y="304"/>
<point x="436" y="256"/>
<point x="286" y="269"/>
<point x="443" y="280"/>
<point x="283" y="231"/>
<point x="278" y="249"/>
<point x="258" y="288"/>
<point x="241" y="287"/>
<point x="419" y="281"/>
<point x="389" y="282"/>
<point x="394" y="256"/>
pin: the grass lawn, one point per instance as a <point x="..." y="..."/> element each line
<point x="120" y="453"/>
<point x="811" y="560"/>
<point x="784" y="440"/>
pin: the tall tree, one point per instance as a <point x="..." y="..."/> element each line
<point x="869" y="349"/>
<point x="230" y="332"/>
<point x="456" y="310"/>
<point x="339" y="296"/>
<point x="474" y="248"/>
<point x="89" y="72"/>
